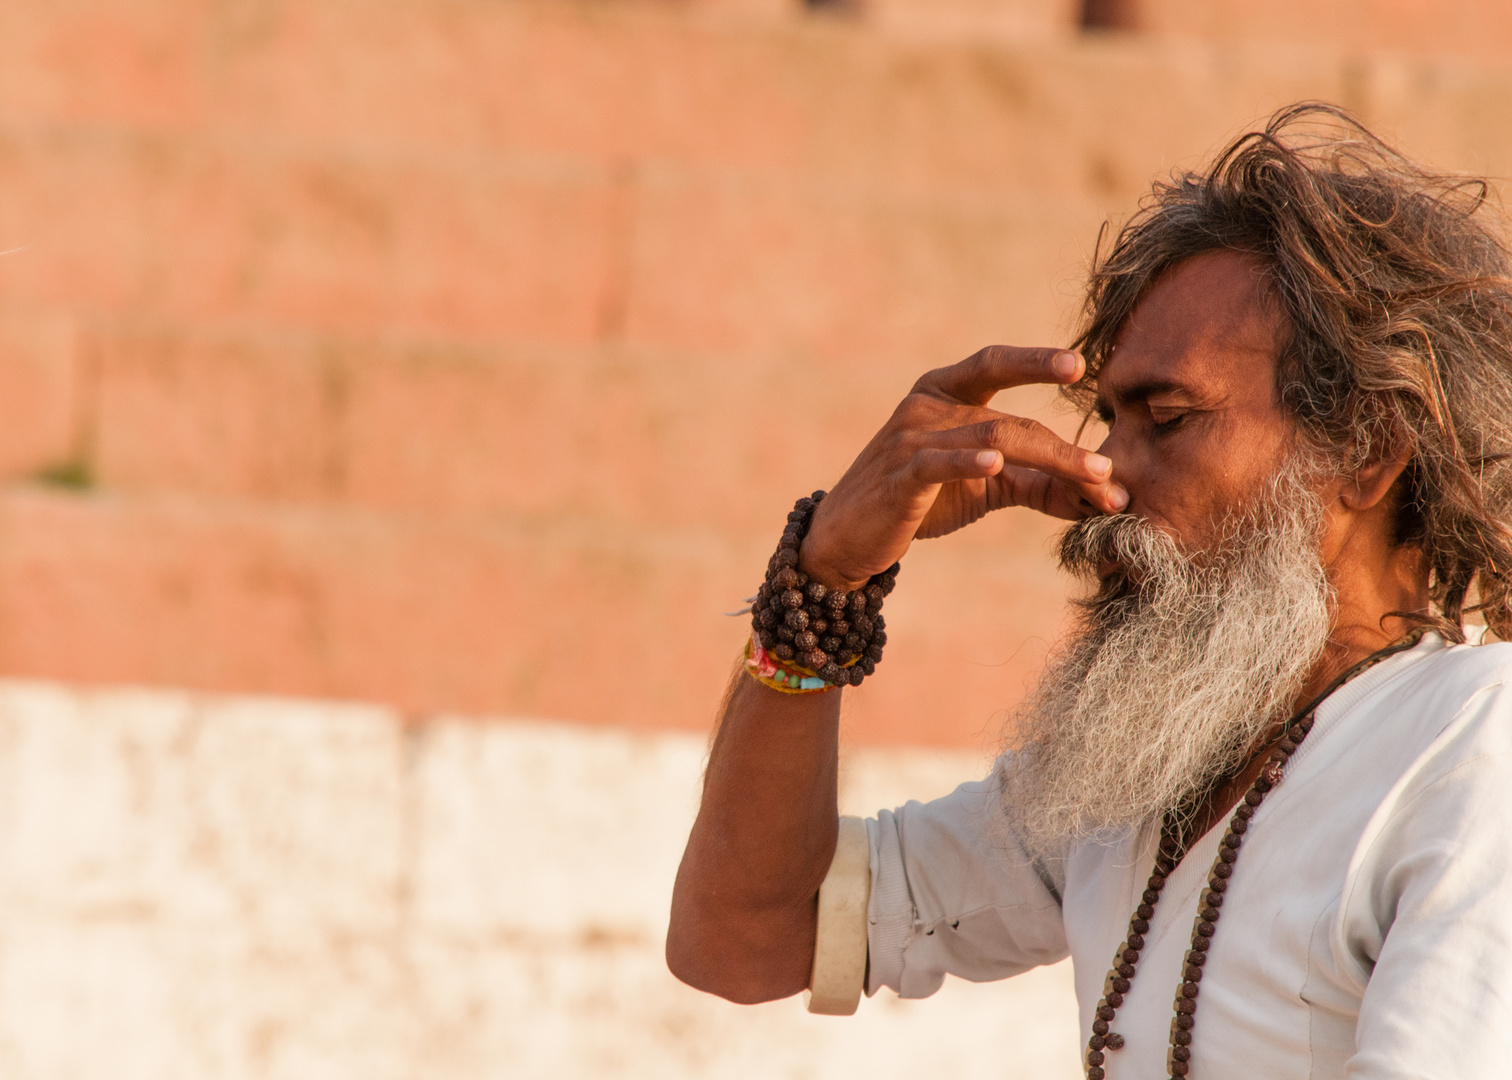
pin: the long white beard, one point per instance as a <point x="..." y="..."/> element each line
<point x="1180" y="665"/>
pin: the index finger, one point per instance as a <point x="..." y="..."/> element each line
<point x="976" y="379"/>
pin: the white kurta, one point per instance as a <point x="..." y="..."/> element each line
<point x="1366" y="932"/>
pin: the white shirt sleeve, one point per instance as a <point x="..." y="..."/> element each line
<point x="952" y="894"/>
<point x="1426" y="920"/>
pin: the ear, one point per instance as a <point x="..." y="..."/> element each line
<point x="1371" y="482"/>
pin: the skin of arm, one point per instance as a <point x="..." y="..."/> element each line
<point x="746" y="898"/>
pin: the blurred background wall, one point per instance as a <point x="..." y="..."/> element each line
<point x="462" y="357"/>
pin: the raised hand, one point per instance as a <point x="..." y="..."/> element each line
<point x="944" y="460"/>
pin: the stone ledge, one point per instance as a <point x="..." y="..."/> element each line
<point x="197" y="886"/>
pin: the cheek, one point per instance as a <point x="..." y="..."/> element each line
<point x="1191" y="488"/>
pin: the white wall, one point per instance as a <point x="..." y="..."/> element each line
<point x="233" y="887"/>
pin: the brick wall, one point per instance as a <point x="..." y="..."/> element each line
<point x="465" y="355"/>
<point x="1445" y="28"/>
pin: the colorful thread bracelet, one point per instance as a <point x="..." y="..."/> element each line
<point x="784" y="677"/>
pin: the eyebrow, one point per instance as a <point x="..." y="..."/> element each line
<point x="1142" y="390"/>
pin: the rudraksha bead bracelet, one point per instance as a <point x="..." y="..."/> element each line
<point x="805" y="631"/>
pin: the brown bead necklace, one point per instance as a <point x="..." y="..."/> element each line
<point x="1168" y="853"/>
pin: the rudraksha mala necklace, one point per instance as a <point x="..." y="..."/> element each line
<point x="1168" y="853"/>
<point x="805" y="636"/>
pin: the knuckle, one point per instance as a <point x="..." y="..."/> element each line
<point x="1007" y="430"/>
<point x="903" y="435"/>
<point x="931" y="381"/>
<point x="984" y="363"/>
<point x="996" y="433"/>
<point x="978" y="360"/>
<point x="919" y="464"/>
<point x="897" y="443"/>
<point x="914" y="406"/>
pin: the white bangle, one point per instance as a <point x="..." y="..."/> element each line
<point x="839" y="973"/>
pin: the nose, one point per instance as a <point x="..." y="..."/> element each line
<point x="1122" y="474"/>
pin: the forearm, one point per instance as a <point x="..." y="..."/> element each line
<point x="743" y="908"/>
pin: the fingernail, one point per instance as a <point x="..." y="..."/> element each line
<point x="1117" y="496"/>
<point x="1065" y="364"/>
<point x="987" y="459"/>
<point x="1098" y="465"/>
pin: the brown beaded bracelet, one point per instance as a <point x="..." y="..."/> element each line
<point x="836" y="633"/>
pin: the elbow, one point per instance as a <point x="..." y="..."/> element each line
<point x="683" y="961"/>
<point x="694" y="970"/>
<point x="718" y="965"/>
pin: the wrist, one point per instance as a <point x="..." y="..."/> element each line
<point x="831" y="635"/>
<point x="823" y="572"/>
<point x="815" y="560"/>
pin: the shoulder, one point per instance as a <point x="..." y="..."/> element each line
<point x="1471" y="665"/>
<point x="1448" y="813"/>
<point x="1411" y="721"/>
<point x="1460" y="700"/>
<point x="1470" y="691"/>
<point x="1442" y="687"/>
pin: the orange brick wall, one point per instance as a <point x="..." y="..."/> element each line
<point x="466" y="354"/>
<point x="1445" y="28"/>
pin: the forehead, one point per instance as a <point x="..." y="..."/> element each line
<point x="1208" y="325"/>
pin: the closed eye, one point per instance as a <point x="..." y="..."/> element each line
<point x="1166" y="427"/>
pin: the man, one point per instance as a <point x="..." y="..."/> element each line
<point x="1304" y="361"/>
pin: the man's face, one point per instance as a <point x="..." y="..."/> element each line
<point x="1214" y="604"/>
<point x="1189" y="396"/>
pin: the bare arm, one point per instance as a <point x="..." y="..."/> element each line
<point x="743" y="908"/>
